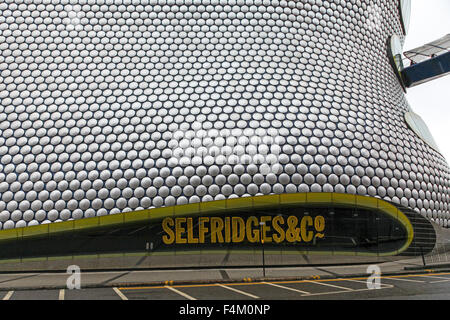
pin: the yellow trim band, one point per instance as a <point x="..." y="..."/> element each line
<point x="216" y="207"/>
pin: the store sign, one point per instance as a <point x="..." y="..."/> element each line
<point x="250" y="229"/>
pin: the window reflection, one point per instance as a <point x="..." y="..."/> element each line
<point x="405" y="11"/>
<point x="419" y="127"/>
<point x="395" y="50"/>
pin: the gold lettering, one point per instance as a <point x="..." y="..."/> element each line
<point x="216" y="230"/>
<point x="190" y="231"/>
<point x="179" y="230"/>
<point x="238" y="229"/>
<point x="276" y="221"/>
<point x="292" y="232"/>
<point x="170" y="237"/>
<point x="265" y="228"/>
<point x="252" y="236"/>
<point x="306" y="235"/>
<point x="227" y="230"/>
<point x="238" y="225"/>
<point x="319" y="225"/>
<point x="202" y="230"/>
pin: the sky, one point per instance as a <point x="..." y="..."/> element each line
<point x="430" y="20"/>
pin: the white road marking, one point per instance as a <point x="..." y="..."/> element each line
<point x="238" y="291"/>
<point x="61" y="294"/>
<point x="440" y="281"/>
<point x="401" y="279"/>
<point x="435" y="277"/>
<point x="287" y="288"/>
<point x="120" y="294"/>
<point x="180" y="293"/>
<point x="8" y="295"/>
<point x="335" y="292"/>
<point x="365" y="282"/>
<point x="330" y="285"/>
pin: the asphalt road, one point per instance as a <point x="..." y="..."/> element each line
<point x="427" y="286"/>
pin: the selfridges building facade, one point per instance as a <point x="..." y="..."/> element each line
<point x="113" y="107"/>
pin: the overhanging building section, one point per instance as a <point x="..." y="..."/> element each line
<point x="429" y="50"/>
<point x="427" y="70"/>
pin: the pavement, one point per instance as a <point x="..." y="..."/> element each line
<point x="405" y="279"/>
<point x="133" y="278"/>
<point x="420" y="286"/>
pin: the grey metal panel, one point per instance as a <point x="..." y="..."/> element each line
<point x="107" y="107"/>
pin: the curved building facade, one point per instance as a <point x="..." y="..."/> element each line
<point x="110" y="107"/>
